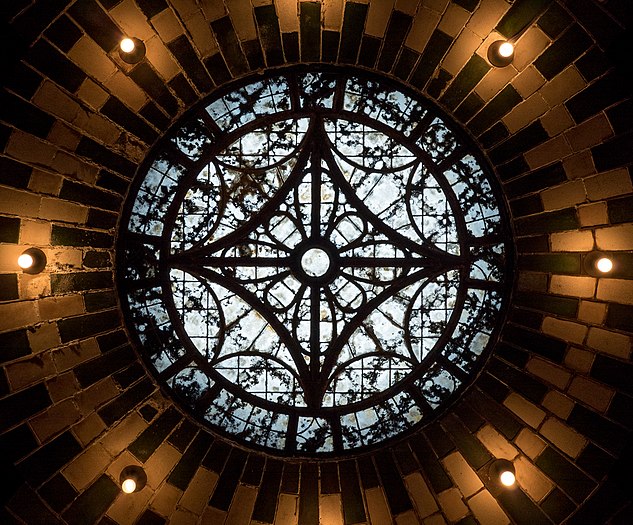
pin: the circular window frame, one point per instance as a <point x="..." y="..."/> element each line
<point x="292" y="71"/>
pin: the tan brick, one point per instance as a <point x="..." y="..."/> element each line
<point x="406" y="518"/>
<point x="119" y="437"/>
<point x="30" y="149"/>
<point x="200" y="31"/>
<point x="34" y="286"/>
<point x="89" y="428"/>
<point x="96" y="395"/>
<point x="125" y="89"/>
<point x="525" y="113"/>
<point x="592" y="312"/>
<point x="126" y="509"/>
<point x="423" y="26"/>
<point x="74" y="168"/>
<point x="464" y="476"/>
<point x="461" y="51"/>
<point x="92" y="94"/>
<point x="100" y="128"/>
<point x="167" y="25"/>
<point x="531" y="479"/>
<point x="377" y="506"/>
<point x="70" y="356"/>
<point x="45" y="182"/>
<point x="57" y="418"/>
<point x="530" y="443"/>
<point x="544" y="369"/>
<point x="593" y="214"/>
<point x="160" y="464"/>
<point x="617" y="290"/>
<point x="87" y="466"/>
<point x="199" y="490"/>
<point x="30" y="370"/>
<point x="557" y="120"/>
<point x="527" y="411"/>
<point x="287" y="510"/>
<point x="420" y="494"/>
<point x="131" y="19"/>
<point x="377" y="17"/>
<point x="63" y="136"/>
<point x="566" y="330"/>
<point x="608" y="342"/>
<point x="615" y="238"/>
<point x="494" y="81"/>
<point x="563" y="86"/>
<point x="287" y="12"/>
<point x="35" y="232"/>
<point x="486" y="509"/>
<point x="61" y="306"/>
<point x="62" y="386"/>
<point x="52" y="99"/>
<point x="485" y="19"/>
<point x="558" y="404"/>
<point x="22" y="203"/>
<point x="564" y="195"/>
<point x="211" y="515"/>
<point x="573" y="286"/>
<point x="579" y="165"/>
<point x="565" y="439"/>
<point x="591" y="132"/>
<point x="17" y="315"/>
<point x="330" y="508"/>
<point x="62" y="211"/>
<point x="452" y="505"/>
<point x="592" y="393"/>
<point x="165" y="499"/>
<point x="528" y="47"/>
<point x="528" y="81"/>
<point x="160" y="57"/>
<point x="579" y="359"/>
<point x="610" y="184"/>
<point x="43" y="336"/>
<point x="436" y="519"/>
<point x="406" y="6"/>
<point x="241" y="13"/>
<point x="498" y="446"/>
<point x="576" y="241"/>
<point x="92" y="59"/>
<point x="453" y="20"/>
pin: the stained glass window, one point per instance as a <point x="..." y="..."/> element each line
<point x="314" y="262"/>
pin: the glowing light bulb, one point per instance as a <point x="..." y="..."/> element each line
<point x="127" y="45"/>
<point x="128" y="486"/>
<point x="507" y="478"/>
<point x="25" y="261"/>
<point x="506" y="49"/>
<point x="604" y="264"/>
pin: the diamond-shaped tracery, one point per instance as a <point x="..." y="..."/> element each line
<point x="315" y="262"/>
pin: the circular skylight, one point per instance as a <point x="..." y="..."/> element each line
<point x="314" y="262"/>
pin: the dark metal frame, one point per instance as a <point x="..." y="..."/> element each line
<point x="315" y="148"/>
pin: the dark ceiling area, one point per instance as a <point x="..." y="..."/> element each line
<point x="79" y="126"/>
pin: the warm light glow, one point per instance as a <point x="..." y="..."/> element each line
<point x="507" y="478"/>
<point x="25" y="261"/>
<point x="604" y="264"/>
<point x="127" y="45"/>
<point x="128" y="486"/>
<point x="506" y="49"/>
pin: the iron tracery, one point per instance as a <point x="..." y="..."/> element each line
<point x="315" y="261"/>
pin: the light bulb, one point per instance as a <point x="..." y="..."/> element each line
<point x="128" y="486"/>
<point x="25" y="261"/>
<point x="506" y="49"/>
<point x="507" y="478"/>
<point x="127" y="45"/>
<point x="604" y="264"/>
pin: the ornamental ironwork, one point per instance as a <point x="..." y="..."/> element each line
<point x="314" y="262"/>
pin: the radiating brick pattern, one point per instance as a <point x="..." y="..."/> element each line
<point x="76" y="404"/>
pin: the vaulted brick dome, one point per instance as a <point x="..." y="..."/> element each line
<point x="78" y="127"/>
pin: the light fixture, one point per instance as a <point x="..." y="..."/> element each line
<point x="502" y="473"/>
<point x="32" y="260"/>
<point x="604" y="265"/>
<point x="132" y="479"/>
<point x="501" y="53"/>
<point x="131" y="50"/>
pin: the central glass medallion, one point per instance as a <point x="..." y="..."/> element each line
<point x="314" y="262"/>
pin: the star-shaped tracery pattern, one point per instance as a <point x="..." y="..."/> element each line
<point x="315" y="262"/>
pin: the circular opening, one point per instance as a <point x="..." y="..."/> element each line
<point x="128" y="486"/>
<point x="25" y="261"/>
<point x="127" y="45"/>
<point x="604" y="264"/>
<point x="507" y="478"/>
<point x="315" y="262"/>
